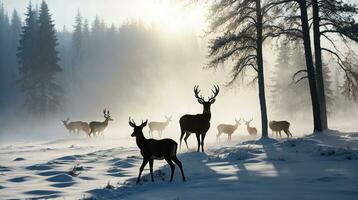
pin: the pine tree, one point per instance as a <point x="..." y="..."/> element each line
<point x="285" y="93"/>
<point x="77" y="52"/>
<point x="4" y="26"/>
<point x="38" y="60"/>
<point x="327" y="78"/>
<point x="279" y="84"/>
<point x="27" y="52"/>
<point x="47" y="66"/>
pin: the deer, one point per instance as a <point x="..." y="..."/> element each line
<point x="278" y="126"/>
<point x="252" y="130"/>
<point x="76" y="126"/>
<point x="152" y="149"/>
<point x="69" y="126"/>
<point x="159" y="126"/>
<point x="200" y="123"/>
<point x="227" y="129"/>
<point x="98" y="127"/>
<point x="85" y="127"/>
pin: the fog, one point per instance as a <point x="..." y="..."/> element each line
<point x="145" y="72"/>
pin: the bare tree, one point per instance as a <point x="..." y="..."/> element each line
<point x="242" y="29"/>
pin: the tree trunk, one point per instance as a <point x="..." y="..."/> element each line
<point x="318" y="59"/>
<point x="310" y="68"/>
<point x="260" y="69"/>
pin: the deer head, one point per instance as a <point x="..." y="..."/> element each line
<point x="248" y="122"/>
<point x="169" y="119"/>
<point x="106" y="114"/>
<point x="202" y="101"/>
<point x="65" y="121"/>
<point x="237" y="121"/>
<point x="137" y="129"/>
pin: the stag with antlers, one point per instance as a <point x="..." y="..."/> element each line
<point x="159" y="126"/>
<point x="98" y="127"/>
<point x="152" y="149"/>
<point x="200" y="123"/>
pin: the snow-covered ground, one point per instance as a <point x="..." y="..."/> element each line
<point x="320" y="166"/>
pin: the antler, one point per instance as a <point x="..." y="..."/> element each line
<point x="196" y="92"/>
<point x="216" y="92"/>
<point x="131" y="122"/>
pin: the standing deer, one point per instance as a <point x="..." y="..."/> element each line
<point x="152" y="149"/>
<point x="98" y="127"/>
<point x="200" y="123"/>
<point x="227" y="129"/>
<point x="76" y="126"/>
<point x="69" y="126"/>
<point x="159" y="126"/>
<point x="278" y="126"/>
<point x="252" y="130"/>
<point x="85" y="127"/>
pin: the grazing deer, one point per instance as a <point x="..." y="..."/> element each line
<point x="252" y="130"/>
<point x="152" y="149"/>
<point x="200" y="123"/>
<point x="278" y="126"/>
<point x="227" y="129"/>
<point x="98" y="127"/>
<point x="76" y="126"/>
<point x="159" y="126"/>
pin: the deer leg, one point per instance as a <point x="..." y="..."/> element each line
<point x="181" y="137"/>
<point x="151" y="168"/>
<point x="229" y="137"/>
<point x="202" y="141"/>
<point x="280" y="134"/>
<point x="198" y="139"/>
<point x="186" y="138"/>
<point x="288" y="135"/>
<point x="172" y="167"/>
<point x="218" y="137"/>
<point x="144" y="163"/>
<point x="289" y="132"/>
<point x="177" y="161"/>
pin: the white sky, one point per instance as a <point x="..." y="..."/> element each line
<point x="168" y="13"/>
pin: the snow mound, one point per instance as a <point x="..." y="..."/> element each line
<point x="339" y="153"/>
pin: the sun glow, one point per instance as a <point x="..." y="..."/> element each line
<point x="172" y="16"/>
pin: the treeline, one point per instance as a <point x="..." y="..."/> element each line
<point x="10" y="29"/>
<point x="93" y="66"/>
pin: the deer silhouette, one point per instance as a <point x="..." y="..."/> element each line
<point x="159" y="126"/>
<point x="98" y="127"/>
<point x="200" y="123"/>
<point x="152" y="149"/>
<point x="252" y="130"/>
<point x="227" y="129"/>
<point x="76" y="126"/>
<point x="278" y="126"/>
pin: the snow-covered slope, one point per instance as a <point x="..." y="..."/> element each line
<point x="321" y="166"/>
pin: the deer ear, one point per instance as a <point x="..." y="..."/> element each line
<point x="212" y="101"/>
<point x="200" y="101"/>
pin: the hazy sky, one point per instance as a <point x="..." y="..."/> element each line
<point x="167" y="13"/>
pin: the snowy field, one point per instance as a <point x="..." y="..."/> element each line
<point x="322" y="166"/>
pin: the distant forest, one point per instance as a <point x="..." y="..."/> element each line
<point x="87" y="63"/>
